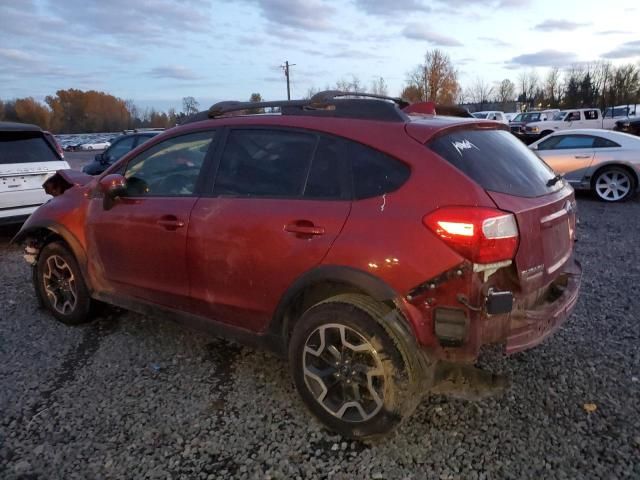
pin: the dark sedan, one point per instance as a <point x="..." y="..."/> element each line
<point x="629" y="125"/>
<point x="119" y="147"/>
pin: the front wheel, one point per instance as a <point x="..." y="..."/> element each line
<point x="60" y="286"/>
<point x="349" y="370"/>
<point x="613" y="184"/>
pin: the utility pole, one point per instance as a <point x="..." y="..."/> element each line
<point x="286" y="67"/>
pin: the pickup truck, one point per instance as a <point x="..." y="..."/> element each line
<point x="570" y="120"/>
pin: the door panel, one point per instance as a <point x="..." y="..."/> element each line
<point x="572" y="163"/>
<point x="137" y="251"/>
<point x="139" y="241"/>
<point x="243" y="253"/>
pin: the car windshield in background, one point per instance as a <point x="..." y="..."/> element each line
<point x="518" y="118"/>
<point x="480" y="115"/>
<point x="497" y="161"/>
<point x="25" y="147"/>
<point x="559" y="116"/>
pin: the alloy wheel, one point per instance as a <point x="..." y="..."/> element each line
<point x="613" y="185"/>
<point x="60" y="285"/>
<point x="344" y="372"/>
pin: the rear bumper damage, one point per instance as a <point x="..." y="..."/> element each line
<point x="529" y="328"/>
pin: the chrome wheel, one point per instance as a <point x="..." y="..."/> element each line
<point x="344" y="372"/>
<point x="60" y="285"/>
<point x="613" y="185"/>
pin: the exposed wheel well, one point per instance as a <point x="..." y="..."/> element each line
<point x="307" y="298"/>
<point x="628" y="169"/>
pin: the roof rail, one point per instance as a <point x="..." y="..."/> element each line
<point x="330" y="103"/>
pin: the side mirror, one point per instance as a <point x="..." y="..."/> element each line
<point x="112" y="186"/>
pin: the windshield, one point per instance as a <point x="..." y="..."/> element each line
<point x="559" y="115"/>
<point x="518" y="118"/>
<point x="480" y="115"/>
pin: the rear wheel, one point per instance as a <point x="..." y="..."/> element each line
<point x="60" y="285"/>
<point x="349" y="370"/>
<point x="613" y="184"/>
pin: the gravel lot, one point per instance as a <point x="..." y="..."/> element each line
<point x="135" y="397"/>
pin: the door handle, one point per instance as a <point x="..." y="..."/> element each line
<point x="304" y="228"/>
<point x="582" y="156"/>
<point x="170" y="222"/>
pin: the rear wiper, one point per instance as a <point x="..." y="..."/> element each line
<point x="552" y="181"/>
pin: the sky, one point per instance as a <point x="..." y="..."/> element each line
<point x="157" y="51"/>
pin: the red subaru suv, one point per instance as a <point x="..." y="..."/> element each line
<point x="377" y="249"/>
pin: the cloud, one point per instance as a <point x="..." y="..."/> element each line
<point x="391" y="7"/>
<point x="496" y="42"/>
<point x="298" y="14"/>
<point x="556" y="25"/>
<point x="544" y="58"/>
<point x="173" y="71"/>
<point x="352" y="54"/>
<point x="626" y="50"/>
<point x="614" y="32"/>
<point x="416" y="31"/>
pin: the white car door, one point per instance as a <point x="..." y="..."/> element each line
<point x="568" y="154"/>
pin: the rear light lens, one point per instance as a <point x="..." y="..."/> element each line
<point x="481" y="235"/>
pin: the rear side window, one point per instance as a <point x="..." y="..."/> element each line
<point x="374" y="173"/>
<point x="265" y="163"/>
<point x="25" y="147"/>
<point x="497" y="161"/>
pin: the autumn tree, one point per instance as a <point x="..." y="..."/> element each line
<point x="436" y="78"/>
<point x="29" y="110"/>
<point x="412" y="93"/>
<point x="189" y="105"/>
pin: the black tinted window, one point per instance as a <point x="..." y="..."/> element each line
<point x="170" y="168"/>
<point x="25" y="147"/>
<point x="267" y="163"/>
<point x="567" y="142"/>
<point x="497" y="161"/>
<point x="326" y="177"/>
<point x="600" y="142"/>
<point x="374" y="173"/>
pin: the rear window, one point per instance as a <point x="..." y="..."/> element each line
<point x="497" y="161"/>
<point x="25" y="147"/>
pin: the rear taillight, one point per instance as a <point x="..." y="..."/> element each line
<point x="481" y="235"/>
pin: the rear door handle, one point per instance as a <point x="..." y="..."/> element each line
<point x="170" y="222"/>
<point x="304" y="228"/>
<point x="582" y="156"/>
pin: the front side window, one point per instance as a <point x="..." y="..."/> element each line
<point x="591" y="114"/>
<point x="573" y="116"/>
<point x="170" y="168"/>
<point x="265" y="163"/>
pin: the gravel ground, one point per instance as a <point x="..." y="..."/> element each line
<point x="135" y="397"/>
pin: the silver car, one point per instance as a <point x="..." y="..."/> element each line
<point x="604" y="161"/>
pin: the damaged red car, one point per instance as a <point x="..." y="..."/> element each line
<point x="378" y="248"/>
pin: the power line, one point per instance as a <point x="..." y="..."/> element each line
<point x="286" y="68"/>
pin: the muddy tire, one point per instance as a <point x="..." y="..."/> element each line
<point x="351" y="371"/>
<point x="60" y="286"/>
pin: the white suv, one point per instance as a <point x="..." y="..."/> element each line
<point x="27" y="159"/>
